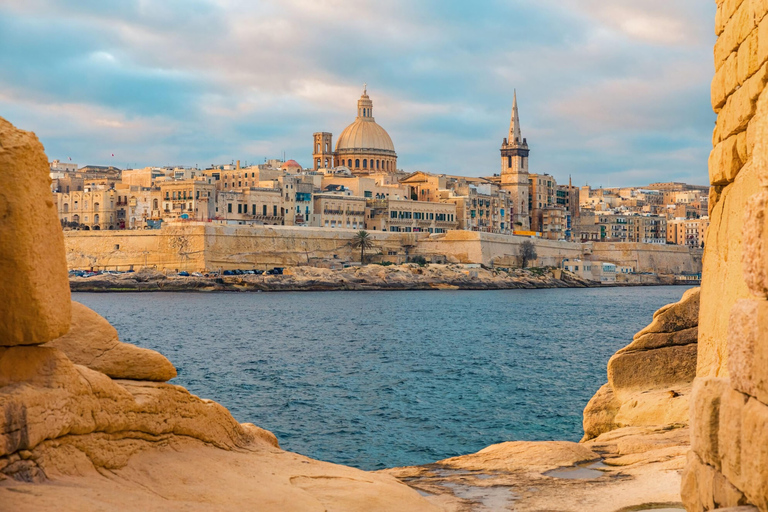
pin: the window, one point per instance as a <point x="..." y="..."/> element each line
<point x="264" y="210"/>
<point x="229" y="208"/>
<point x="239" y="208"/>
<point x="253" y="209"/>
<point x="365" y="164"/>
<point x="274" y="210"/>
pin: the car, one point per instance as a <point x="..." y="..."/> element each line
<point x="275" y="271"/>
<point x="227" y="273"/>
<point x="197" y="274"/>
<point x="184" y="273"/>
<point x="258" y="272"/>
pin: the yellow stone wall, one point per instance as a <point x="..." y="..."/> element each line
<point x="728" y="464"/>
<point x="194" y="247"/>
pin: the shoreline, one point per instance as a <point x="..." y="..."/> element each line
<point x="408" y="277"/>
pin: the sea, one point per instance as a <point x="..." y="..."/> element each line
<point x="392" y="378"/>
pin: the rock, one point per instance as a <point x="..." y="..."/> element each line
<point x="35" y="290"/>
<point x="654" y="340"/>
<point x="705" y="418"/>
<point x="651" y="369"/>
<point x="676" y="317"/>
<point x="520" y="455"/>
<point x="93" y="342"/>
<point x="704" y="488"/>
<point x="600" y="413"/>
<point x="649" y="380"/>
<point x="748" y="348"/>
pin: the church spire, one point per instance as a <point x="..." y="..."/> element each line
<point x="515" y="136"/>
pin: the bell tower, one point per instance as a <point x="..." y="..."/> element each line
<point x="322" y="151"/>
<point x="514" y="169"/>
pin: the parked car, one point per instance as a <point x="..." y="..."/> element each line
<point x="197" y="274"/>
<point x="258" y="272"/>
<point x="275" y="271"/>
<point x="184" y="273"/>
<point x="227" y="273"/>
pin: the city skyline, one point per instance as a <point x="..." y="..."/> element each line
<point x="611" y="95"/>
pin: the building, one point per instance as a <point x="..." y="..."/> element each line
<point x="342" y="211"/>
<point x="92" y="208"/>
<point x="599" y="271"/>
<point x="514" y="169"/>
<point x="647" y="229"/>
<point x="256" y="206"/>
<point x="188" y="199"/>
<point x="690" y="232"/>
<point x="542" y="194"/>
<point x="363" y="147"/>
<point x="408" y="216"/>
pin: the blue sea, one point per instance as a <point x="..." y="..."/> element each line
<point x="382" y="379"/>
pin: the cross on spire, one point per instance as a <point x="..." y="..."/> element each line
<point x="365" y="88"/>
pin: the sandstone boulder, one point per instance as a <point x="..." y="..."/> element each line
<point x="93" y="342"/>
<point x="34" y="287"/>
<point x="649" y="380"/>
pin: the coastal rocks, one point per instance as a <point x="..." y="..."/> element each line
<point x="93" y="342"/>
<point x="369" y="277"/>
<point x="649" y="380"/>
<point x="34" y="273"/>
<point x="626" y="469"/>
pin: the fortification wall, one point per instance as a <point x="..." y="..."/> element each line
<point x="194" y="247"/>
<point x="663" y="259"/>
<point x="728" y="465"/>
<point x="500" y="250"/>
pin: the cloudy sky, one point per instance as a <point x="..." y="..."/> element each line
<point x="611" y="92"/>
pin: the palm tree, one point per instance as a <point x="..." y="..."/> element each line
<point x="362" y="241"/>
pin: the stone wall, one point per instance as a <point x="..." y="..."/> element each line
<point x="664" y="259"/>
<point x="198" y="246"/>
<point x="728" y="465"/>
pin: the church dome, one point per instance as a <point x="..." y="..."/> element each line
<point x="364" y="135"/>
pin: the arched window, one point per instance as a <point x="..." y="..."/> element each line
<point x="357" y="164"/>
<point x="154" y="204"/>
<point x="66" y="207"/>
<point x="371" y="163"/>
<point x="95" y="207"/>
<point x="365" y="164"/>
<point x="377" y="163"/>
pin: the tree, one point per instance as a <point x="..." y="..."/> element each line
<point x="362" y="241"/>
<point x="527" y="252"/>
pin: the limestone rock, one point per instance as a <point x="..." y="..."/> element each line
<point x="704" y="488"/>
<point x="705" y="418"/>
<point x="676" y="317"/>
<point x="93" y="342"/>
<point x="600" y="413"/>
<point x="652" y="369"/>
<point x="34" y="288"/>
<point x="755" y="249"/>
<point x="654" y="340"/>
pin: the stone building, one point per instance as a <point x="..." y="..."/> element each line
<point x="256" y="206"/>
<point x="93" y="207"/>
<point x="363" y="147"/>
<point x="188" y="199"/>
<point x="647" y="229"/>
<point x="514" y="169"/>
<point x="690" y="232"/>
<point x="340" y="211"/>
<point x="407" y="216"/>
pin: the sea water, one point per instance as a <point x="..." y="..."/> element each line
<point x="383" y="379"/>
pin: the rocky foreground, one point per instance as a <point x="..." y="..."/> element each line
<point x="369" y="277"/>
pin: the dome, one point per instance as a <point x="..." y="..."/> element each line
<point x="291" y="164"/>
<point x="364" y="134"/>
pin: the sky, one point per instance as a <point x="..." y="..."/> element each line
<point x="611" y="93"/>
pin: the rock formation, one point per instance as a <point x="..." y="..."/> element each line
<point x="728" y="464"/>
<point x="649" y="380"/>
<point x="88" y="423"/>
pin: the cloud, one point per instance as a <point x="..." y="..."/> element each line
<point x="606" y="88"/>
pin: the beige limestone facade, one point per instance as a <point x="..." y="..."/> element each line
<point x="94" y="207"/>
<point x="253" y="206"/>
<point x="339" y="211"/>
<point x="193" y="199"/>
<point x="407" y="216"/>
